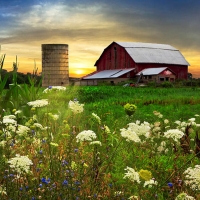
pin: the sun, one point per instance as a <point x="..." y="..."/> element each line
<point x="79" y="71"/>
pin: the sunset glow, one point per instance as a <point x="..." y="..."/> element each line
<point x="88" y="27"/>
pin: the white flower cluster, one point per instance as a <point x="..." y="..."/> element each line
<point x="184" y="196"/>
<point x="38" y="103"/>
<point x="150" y="183"/>
<point x="132" y="175"/>
<point x="192" y="177"/>
<point x="22" y="130"/>
<point x="86" y="135"/>
<point x="76" y="107"/>
<point x="175" y="134"/>
<point x="98" y="119"/>
<point x="20" y="164"/>
<point x="9" y="119"/>
<point x="182" y="125"/>
<point x="54" y="88"/>
<point x="135" y="130"/>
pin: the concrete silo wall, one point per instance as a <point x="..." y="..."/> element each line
<point x="55" y="69"/>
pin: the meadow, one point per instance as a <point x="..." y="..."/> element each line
<point x="99" y="142"/>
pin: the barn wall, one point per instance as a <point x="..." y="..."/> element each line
<point x="114" y="57"/>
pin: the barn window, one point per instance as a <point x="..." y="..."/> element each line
<point x="162" y="79"/>
<point x="150" y="77"/>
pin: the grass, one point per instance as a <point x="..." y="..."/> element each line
<point x="125" y="151"/>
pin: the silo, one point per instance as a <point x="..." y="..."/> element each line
<point x="55" y="69"/>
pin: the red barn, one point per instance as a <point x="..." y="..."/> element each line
<point x="139" y="56"/>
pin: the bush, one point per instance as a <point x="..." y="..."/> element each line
<point x="167" y="84"/>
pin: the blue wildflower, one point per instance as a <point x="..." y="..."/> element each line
<point x="44" y="180"/>
<point x="170" y="184"/>
<point x="65" y="182"/>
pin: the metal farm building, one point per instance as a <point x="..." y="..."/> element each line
<point x="124" y="60"/>
<point x="55" y="69"/>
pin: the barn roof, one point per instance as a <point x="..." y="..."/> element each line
<point x="152" y="71"/>
<point x="112" y="73"/>
<point x="153" y="53"/>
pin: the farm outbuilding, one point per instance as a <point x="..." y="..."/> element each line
<point x="139" y="56"/>
<point x="159" y="74"/>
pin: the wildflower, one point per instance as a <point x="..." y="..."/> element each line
<point x="118" y="193"/>
<point x="18" y="112"/>
<point x="135" y="130"/>
<point x="38" y="103"/>
<point x="157" y="124"/>
<point x="150" y="183"/>
<point x="96" y="143"/>
<point x="39" y="126"/>
<point x="170" y="184"/>
<point x="9" y="119"/>
<point x="156" y="113"/>
<point x="107" y="130"/>
<point x="86" y="135"/>
<point x="175" y="134"/>
<point x="20" y="164"/>
<point x="2" y="191"/>
<point x="166" y="121"/>
<point x="133" y="198"/>
<point x="53" y="144"/>
<point x="76" y="107"/>
<point x="196" y="115"/>
<point x="85" y="165"/>
<point x="184" y="196"/>
<point x="132" y="175"/>
<point x="46" y="181"/>
<point x="160" y="116"/>
<point x="54" y="88"/>
<point x="65" y="182"/>
<point x="129" y="135"/>
<point x="130" y="109"/>
<point x="73" y="165"/>
<point x="98" y="119"/>
<point x="22" y="130"/>
<point x="192" y="177"/>
<point x="191" y="120"/>
<point x="145" y="174"/>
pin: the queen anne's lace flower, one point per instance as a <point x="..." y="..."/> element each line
<point x="38" y="103"/>
<point x="150" y="183"/>
<point x="175" y="134"/>
<point x="9" y="119"/>
<point x="135" y="131"/>
<point x="192" y="177"/>
<point x="20" y="164"/>
<point x="76" y="107"/>
<point x="132" y="175"/>
<point x="22" y="130"/>
<point x="86" y="135"/>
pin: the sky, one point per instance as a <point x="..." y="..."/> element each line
<point x="89" y="26"/>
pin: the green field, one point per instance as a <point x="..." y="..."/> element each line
<point x="79" y="143"/>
